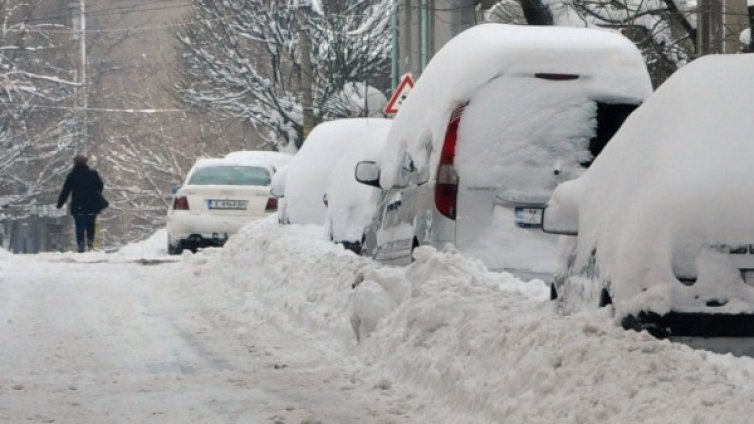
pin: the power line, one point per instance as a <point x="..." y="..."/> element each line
<point x="104" y="12"/>
<point x="115" y="110"/>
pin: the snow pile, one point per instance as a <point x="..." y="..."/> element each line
<point x="151" y="247"/>
<point x="486" y="343"/>
<point x="309" y="171"/>
<point x="745" y="37"/>
<point x="4" y="254"/>
<point x="350" y="204"/>
<point x="671" y="187"/>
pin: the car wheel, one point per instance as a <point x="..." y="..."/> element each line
<point x="414" y="245"/>
<point x="553" y="292"/>
<point x="176" y="249"/>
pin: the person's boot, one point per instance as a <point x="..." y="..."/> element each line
<point x="82" y="248"/>
<point x="91" y="246"/>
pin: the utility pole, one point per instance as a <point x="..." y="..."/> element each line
<point x="751" y="27"/>
<point x="78" y="15"/>
<point x="82" y="49"/>
<point x="307" y="102"/>
<point x="396" y="54"/>
<point x="710" y="27"/>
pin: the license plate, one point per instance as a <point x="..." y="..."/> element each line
<point x="528" y="217"/>
<point x="227" y="204"/>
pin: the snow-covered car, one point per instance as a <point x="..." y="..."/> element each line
<point x="276" y="160"/>
<point x="488" y="132"/>
<point x="218" y="197"/>
<point x="661" y="225"/>
<point x="309" y="171"/>
<point x="351" y="205"/>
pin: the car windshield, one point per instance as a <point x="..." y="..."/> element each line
<point x="230" y="175"/>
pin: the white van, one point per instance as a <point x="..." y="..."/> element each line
<point x="501" y="115"/>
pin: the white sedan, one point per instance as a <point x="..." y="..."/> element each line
<point x="217" y="199"/>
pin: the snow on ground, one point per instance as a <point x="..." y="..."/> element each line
<point x="442" y="341"/>
<point x="485" y="343"/>
<point x="152" y="247"/>
<point x="91" y="338"/>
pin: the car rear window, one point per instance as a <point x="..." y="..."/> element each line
<point x="230" y="175"/>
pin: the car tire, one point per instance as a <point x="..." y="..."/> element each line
<point x="176" y="249"/>
<point x="414" y="245"/>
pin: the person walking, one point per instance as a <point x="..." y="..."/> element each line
<point x="85" y="186"/>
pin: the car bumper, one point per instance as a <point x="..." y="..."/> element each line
<point x="183" y="226"/>
<point x="692" y="324"/>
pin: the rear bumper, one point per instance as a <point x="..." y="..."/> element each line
<point x="181" y="225"/>
<point x="690" y="324"/>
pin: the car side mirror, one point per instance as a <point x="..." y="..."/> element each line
<point x="559" y="218"/>
<point x="368" y="172"/>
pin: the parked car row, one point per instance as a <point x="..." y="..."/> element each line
<point x="543" y="151"/>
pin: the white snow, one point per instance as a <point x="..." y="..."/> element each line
<point x="670" y="189"/>
<point x="154" y="246"/>
<point x="250" y="332"/>
<point x="745" y="36"/>
<point x="486" y="344"/>
<point x="350" y="203"/>
<point x="309" y="170"/>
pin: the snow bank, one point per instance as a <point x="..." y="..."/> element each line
<point x="151" y="247"/>
<point x="4" y="254"/>
<point x="669" y="187"/>
<point x="486" y="343"/>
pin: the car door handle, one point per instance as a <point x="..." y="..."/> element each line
<point x="393" y="206"/>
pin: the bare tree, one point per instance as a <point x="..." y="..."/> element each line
<point x="662" y="29"/>
<point x="242" y="60"/>
<point x="38" y="131"/>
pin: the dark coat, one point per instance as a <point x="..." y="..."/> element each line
<point x="85" y="187"/>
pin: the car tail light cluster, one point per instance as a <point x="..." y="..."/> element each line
<point x="446" y="189"/>
<point x="272" y="205"/>
<point x="181" y="203"/>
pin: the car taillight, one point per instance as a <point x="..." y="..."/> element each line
<point x="181" y="203"/>
<point x="446" y="188"/>
<point x="272" y="205"/>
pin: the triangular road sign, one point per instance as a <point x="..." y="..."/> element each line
<point x="400" y="94"/>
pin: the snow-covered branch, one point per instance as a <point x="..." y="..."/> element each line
<point x="242" y="60"/>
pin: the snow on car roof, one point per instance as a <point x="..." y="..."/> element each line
<point x="608" y="63"/>
<point x="205" y="162"/>
<point x="675" y="177"/>
<point x="276" y="159"/>
<point x="209" y="162"/>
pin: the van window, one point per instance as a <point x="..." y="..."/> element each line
<point x="610" y="117"/>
